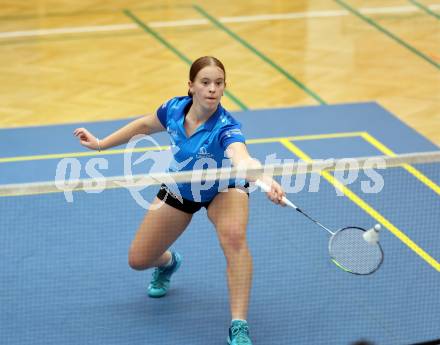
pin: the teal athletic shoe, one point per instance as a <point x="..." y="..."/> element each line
<point x="239" y="333"/>
<point x="160" y="281"/>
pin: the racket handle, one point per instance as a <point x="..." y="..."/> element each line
<point x="289" y="203"/>
<point x="266" y="188"/>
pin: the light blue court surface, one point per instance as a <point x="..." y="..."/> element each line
<point x="64" y="277"/>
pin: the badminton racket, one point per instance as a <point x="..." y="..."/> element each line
<point x="353" y="249"/>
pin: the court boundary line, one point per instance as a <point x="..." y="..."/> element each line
<point x="413" y="171"/>
<point x="166" y="147"/>
<point x="82" y="12"/>
<point x="366" y="207"/>
<point x="194" y="22"/>
<point x="362" y="134"/>
<point x="336" y="135"/>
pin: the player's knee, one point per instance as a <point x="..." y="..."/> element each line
<point x="136" y="261"/>
<point x="234" y="239"/>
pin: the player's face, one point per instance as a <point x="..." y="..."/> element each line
<point x="208" y="86"/>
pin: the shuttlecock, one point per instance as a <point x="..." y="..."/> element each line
<point x="372" y="235"/>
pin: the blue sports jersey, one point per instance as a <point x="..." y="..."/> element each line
<point x="204" y="149"/>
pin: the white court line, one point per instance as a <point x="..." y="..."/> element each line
<point x="187" y="22"/>
<point x="284" y="16"/>
<point x="194" y="22"/>
<point x="100" y="28"/>
<point x="60" y="31"/>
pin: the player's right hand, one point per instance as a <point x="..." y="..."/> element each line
<point x="86" y="138"/>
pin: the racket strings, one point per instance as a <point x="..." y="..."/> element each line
<point x="353" y="253"/>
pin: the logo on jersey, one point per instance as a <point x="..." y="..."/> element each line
<point x="234" y="131"/>
<point x="174" y="136"/>
<point x="203" y="153"/>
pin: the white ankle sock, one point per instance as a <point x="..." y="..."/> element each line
<point x="169" y="263"/>
<point x="238" y="320"/>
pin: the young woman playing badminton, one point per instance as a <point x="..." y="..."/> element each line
<point x="197" y="125"/>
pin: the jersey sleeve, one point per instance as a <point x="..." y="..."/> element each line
<point x="162" y="113"/>
<point x="231" y="134"/>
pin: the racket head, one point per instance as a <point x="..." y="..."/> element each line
<point x="352" y="253"/>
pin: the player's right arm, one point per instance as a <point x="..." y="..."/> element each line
<point x="147" y="124"/>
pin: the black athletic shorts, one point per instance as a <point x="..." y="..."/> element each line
<point x="188" y="206"/>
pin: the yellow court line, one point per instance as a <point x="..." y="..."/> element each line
<point x="366" y="207"/>
<point x="160" y="148"/>
<point x="413" y="171"/>
<point x="79" y="154"/>
<point x="306" y="137"/>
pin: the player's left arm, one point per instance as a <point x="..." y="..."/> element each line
<point x="238" y="154"/>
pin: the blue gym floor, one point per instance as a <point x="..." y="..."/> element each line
<point x="64" y="277"/>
